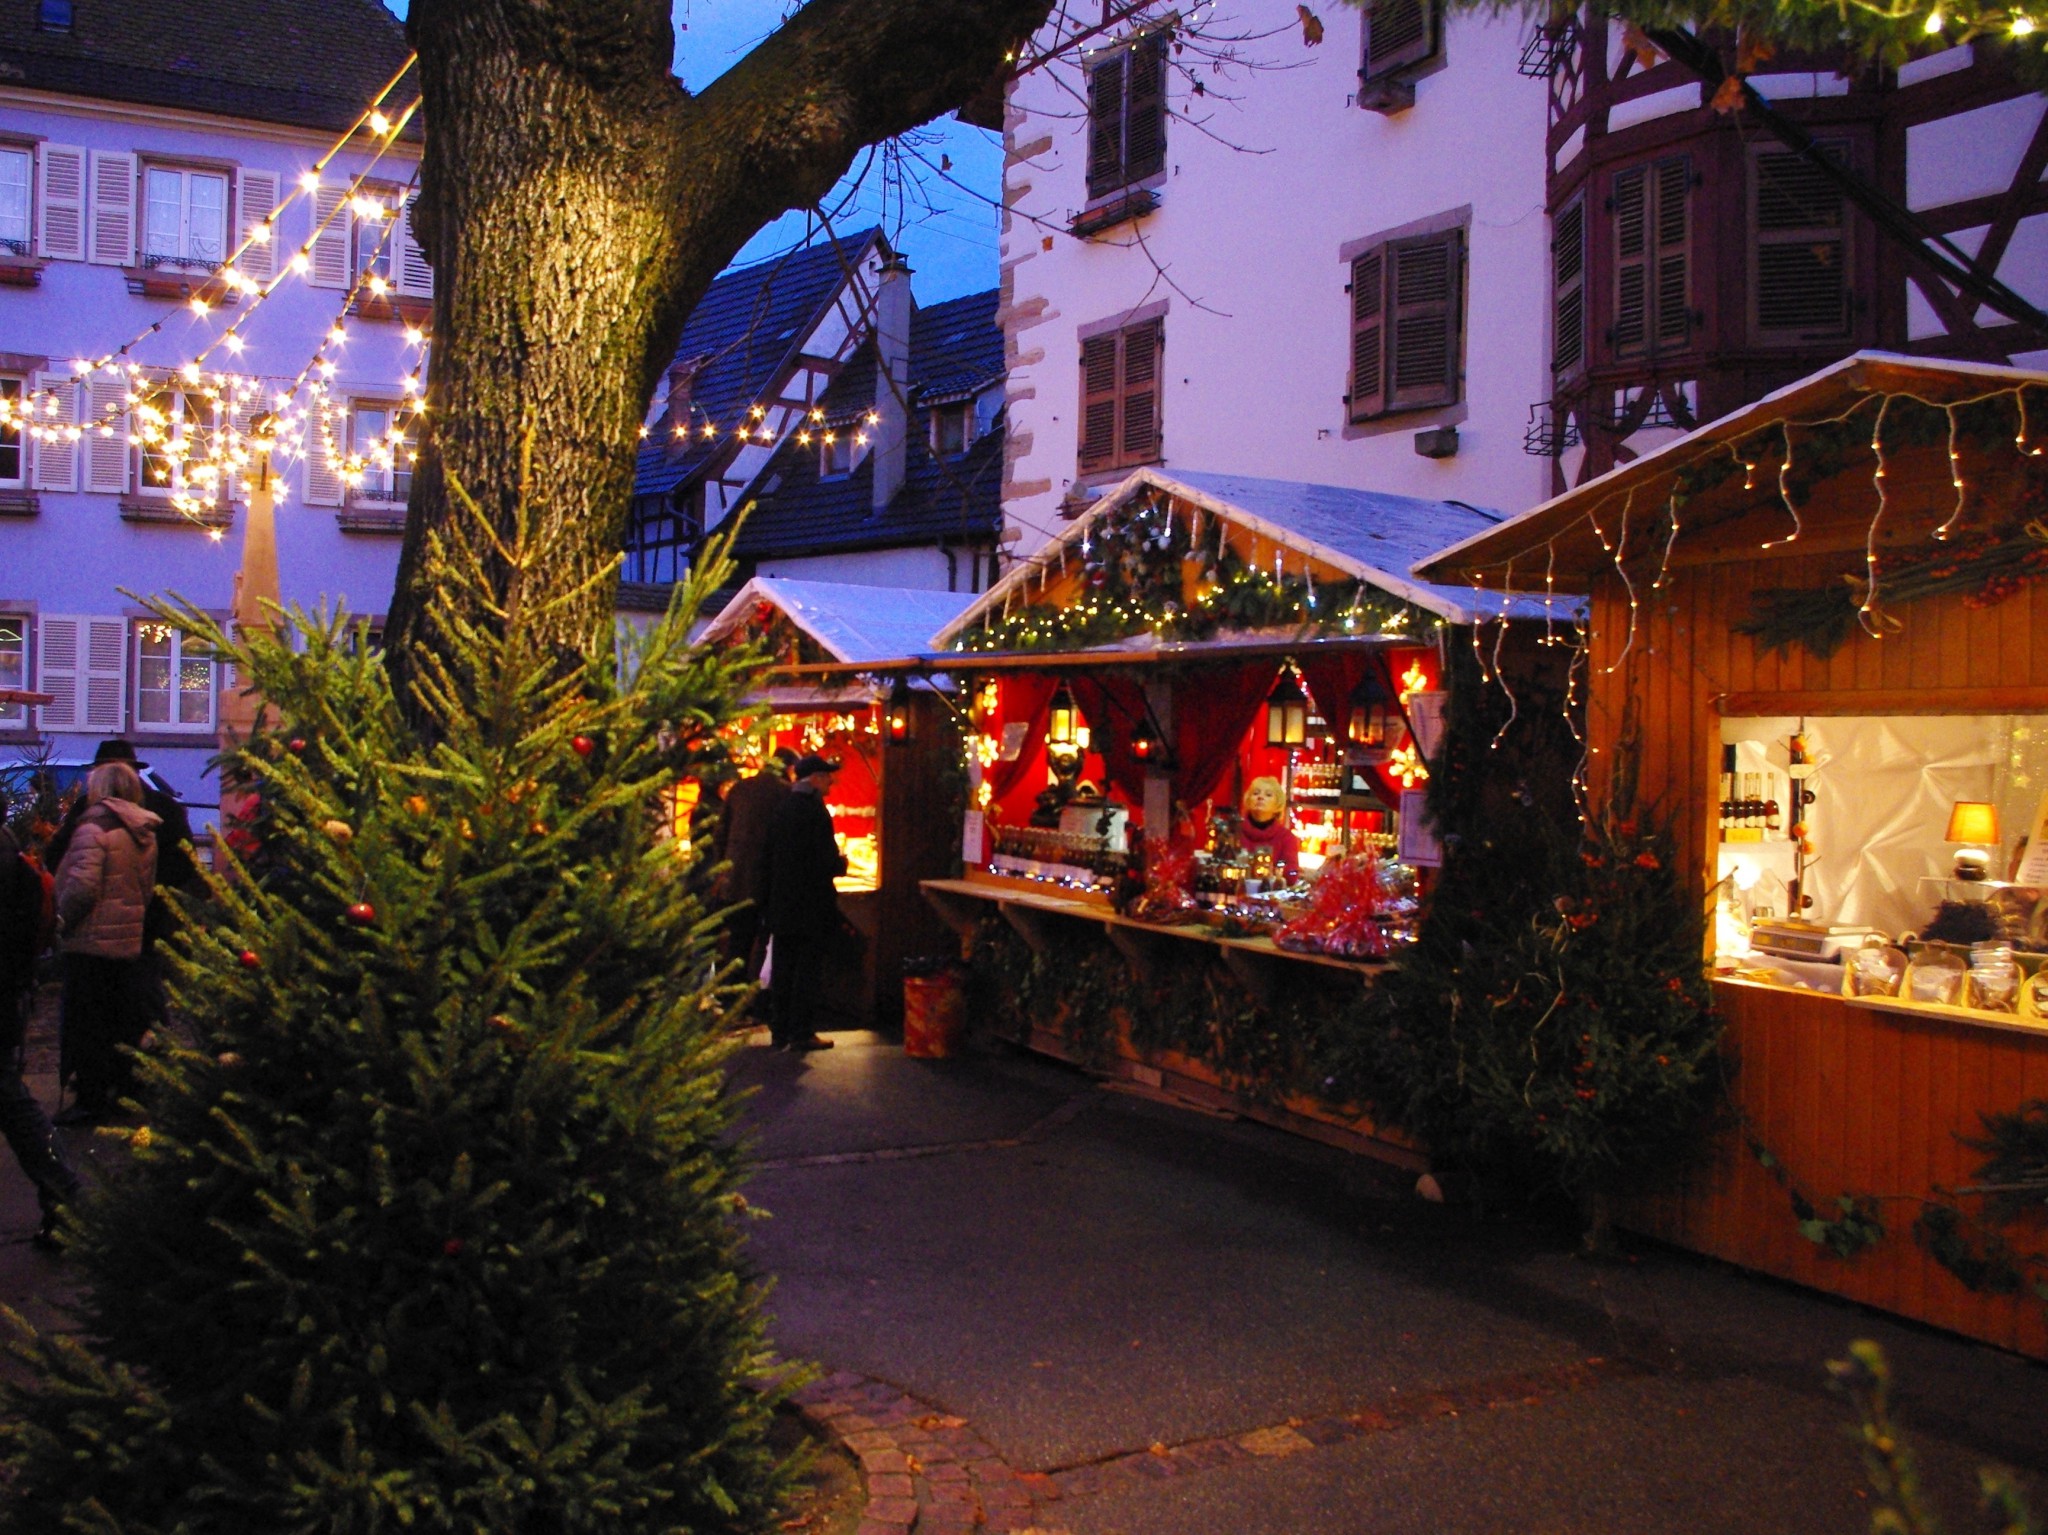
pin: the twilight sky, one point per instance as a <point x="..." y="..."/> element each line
<point x="948" y="231"/>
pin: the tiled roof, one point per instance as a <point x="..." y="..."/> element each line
<point x="307" y="63"/>
<point x="745" y="327"/>
<point x="956" y="349"/>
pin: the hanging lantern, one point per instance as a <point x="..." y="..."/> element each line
<point x="1286" y="712"/>
<point x="1064" y="727"/>
<point x="1146" y="745"/>
<point x="896" y="717"/>
<point x="1374" y="722"/>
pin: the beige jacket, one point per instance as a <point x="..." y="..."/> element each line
<point x="104" y="883"/>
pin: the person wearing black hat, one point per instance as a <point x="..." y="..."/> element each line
<point x="800" y="906"/>
<point x="741" y="843"/>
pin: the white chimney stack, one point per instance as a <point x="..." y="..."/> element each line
<point x="889" y="442"/>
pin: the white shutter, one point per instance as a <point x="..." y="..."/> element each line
<point x="105" y="673"/>
<point x="330" y="239"/>
<point x="60" y="202"/>
<point x="112" y="225"/>
<point x="57" y="670"/>
<point x="256" y="194"/>
<point x="56" y="462"/>
<point x="323" y="478"/>
<point x="106" y="434"/>
<point x="409" y="263"/>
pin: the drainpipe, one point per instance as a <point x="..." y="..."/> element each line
<point x="889" y="445"/>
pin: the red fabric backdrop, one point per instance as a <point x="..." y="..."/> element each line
<point x="1025" y="696"/>
<point x="1113" y="705"/>
<point x="1212" y="710"/>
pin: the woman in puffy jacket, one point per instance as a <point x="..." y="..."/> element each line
<point x="103" y="889"/>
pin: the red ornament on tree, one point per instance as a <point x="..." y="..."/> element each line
<point x="452" y="1247"/>
<point x="251" y="960"/>
<point x="297" y="745"/>
<point x="583" y="746"/>
<point x="362" y="914"/>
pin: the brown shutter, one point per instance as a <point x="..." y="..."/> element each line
<point x="1398" y="33"/>
<point x="1568" y="289"/>
<point x="1098" y="402"/>
<point x="1672" y="231"/>
<point x="1630" y="204"/>
<point x="1106" y="125"/>
<point x="1140" y="442"/>
<point x="1368" y="334"/>
<point x="1424" y="305"/>
<point x="1145" y="123"/>
<point x="1802" y="253"/>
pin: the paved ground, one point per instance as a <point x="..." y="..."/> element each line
<point x="1163" y="1323"/>
<point x="1047" y="1305"/>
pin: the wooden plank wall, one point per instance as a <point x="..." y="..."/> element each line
<point x="1854" y="1101"/>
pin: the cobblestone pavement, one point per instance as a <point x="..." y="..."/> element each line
<point x="1049" y="1306"/>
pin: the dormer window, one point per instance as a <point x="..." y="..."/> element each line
<point x="835" y="454"/>
<point x="53" y="15"/>
<point x="952" y="429"/>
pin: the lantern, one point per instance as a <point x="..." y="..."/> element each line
<point x="1286" y="712"/>
<point x="1146" y="746"/>
<point x="896" y="716"/>
<point x="1064" y="727"/>
<point x="1374" y="723"/>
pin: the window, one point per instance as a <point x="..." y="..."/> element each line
<point x="173" y="679"/>
<point x="185" y="218"/>
<point x="835" y="454"/>
<point x="952" y="429"/>
<point x="1400" y="37"/>
<point x="13" y="471"/>
<point x="1127" y="115"/>
<point x="53" y="15"/>
<point x="1120" y="397"/>
<point x="1407" y="324"/>
<point x="377" y="438"/>
<point x="369" y="238"/>
<point x="1652" y="209"/>
<point x="13" y="667"/>
<point x="17" y="173"/>
<point x="173" y="434"/>
<point x="1568" y="290"/>
<point x="1799" y="263"/>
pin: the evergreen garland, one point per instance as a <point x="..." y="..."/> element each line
<point x="434" y="1225"/>
<point x="1137" y="567"/>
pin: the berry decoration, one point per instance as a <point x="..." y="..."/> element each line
<point x="583" y="746"/>
<point x="296" y="746"/>
<point x="452" y="1247"/>
<point x="251" y="960"/>
<point x="362" y="914"/>
<point x="340" y="831"/>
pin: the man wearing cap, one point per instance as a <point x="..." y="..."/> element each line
<point x="741" y="843"/>
<point x="800" y="906"/>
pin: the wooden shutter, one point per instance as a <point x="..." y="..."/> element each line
<point x="1140" y="410"/>
<point x="1631" y="209"/>
<point x="1802" y="247"/>
<point x="56" y="462"/>
<point x="1671" y="240"/>
<point x="256" y="194"/>
<point x="111" y="227"/>
<point x="331" y="266"/>
<point x="60" y="202"/>
<point x="1398" y="34"/>
<point x="323" y="477"/>
<point x="408" y="262"/>
<point x="1568" y="289"/>
<point x="1424" y="309"/>
<point x="104" y="675"/>
<point x="1145" y="120"/>
<point x="1098" y="402"/>
<point x="57" y="670"/>
<point x="1652" y="208"/>
<point x="106" y="434"/>
<point x="1368" y="334"/>
<point x="1106" y="125"/>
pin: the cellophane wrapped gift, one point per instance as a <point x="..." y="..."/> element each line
<point x="1169" y="893"/>
<point x="1343" y="916"/>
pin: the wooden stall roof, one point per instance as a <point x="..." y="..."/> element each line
<point x="1571" y="537"/>
<point x="1334" y="530"/>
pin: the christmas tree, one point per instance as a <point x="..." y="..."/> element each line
<point x="433" y="1225"/>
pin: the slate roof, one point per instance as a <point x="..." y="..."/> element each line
<point x="956" y="350"/>
<point x="306" y="63"/>
<point x="746" y="326"/>
<point x="857" y="624"/>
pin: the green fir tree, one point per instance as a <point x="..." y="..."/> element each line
<point x="434" y="1223"/>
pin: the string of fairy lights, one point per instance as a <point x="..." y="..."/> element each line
<point x="199" y="429"/>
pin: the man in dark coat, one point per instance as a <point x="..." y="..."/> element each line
<point x="22" y="1122"/>
<point x="741" y="843"/>
<point x="800" y="906"/>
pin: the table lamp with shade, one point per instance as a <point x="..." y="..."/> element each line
<point x="1973" y="828"/>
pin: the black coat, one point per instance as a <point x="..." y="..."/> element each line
<point x="803" y="859"/>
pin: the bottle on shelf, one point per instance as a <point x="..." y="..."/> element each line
<point x="1773" y="815"/>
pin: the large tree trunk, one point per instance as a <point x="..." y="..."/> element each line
<point x="575" y="203"/>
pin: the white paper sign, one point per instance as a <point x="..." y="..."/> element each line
<point x="1013" y="739"/>
<point x="1418" y="843"/>
<point x="970" y="839"/>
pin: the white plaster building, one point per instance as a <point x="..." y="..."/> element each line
<point x="129" y="172"/>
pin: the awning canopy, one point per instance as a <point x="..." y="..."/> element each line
<point x="1571" y="537"/>
<point x="853" y="625"/>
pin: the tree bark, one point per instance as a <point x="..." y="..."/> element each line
<point x="576" y="201"/>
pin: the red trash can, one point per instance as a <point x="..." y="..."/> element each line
<point x="934" y="1014"/>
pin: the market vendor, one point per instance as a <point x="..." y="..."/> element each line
<point x="1265" y="828"/>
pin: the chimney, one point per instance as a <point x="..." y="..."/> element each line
<point x="889" y="443"/>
